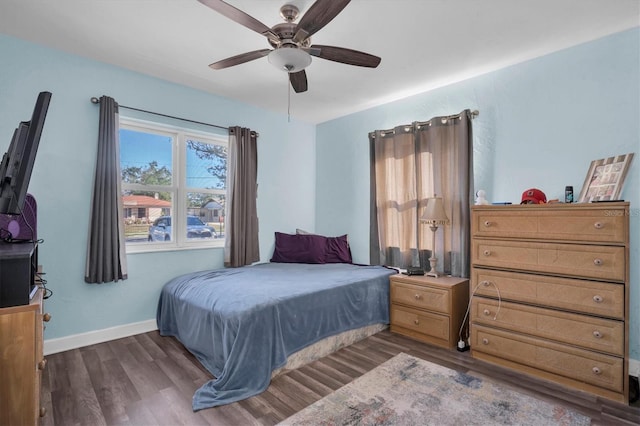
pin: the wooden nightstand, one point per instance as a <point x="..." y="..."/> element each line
<point x="429" y="309"/>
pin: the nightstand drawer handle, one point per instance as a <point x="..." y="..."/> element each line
<point x="487" y="252"/>
<point x="416" y="322"/>
<point x="596" y="370"/>
<point x="417" y="296"/>
<point x="597" y="334"/>
<point x="43" y="411"/>
<point x="486" y="312"/>
<point x="598" y="299"/>
<point x="46" y="317"/>
<point x="487" y="223"/>
<point x="42" y="364"/>
<point x="485" y="341"/>
<point x="598" y="225"/>
<point x="485" y="283"/>
<point x="597" y="262"/>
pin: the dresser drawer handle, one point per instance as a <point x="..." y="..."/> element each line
<point x="597" y="262"/>
<point x="596" y="370"/>
<point x="487" y="223"/>
<point x="485" y="283"/>
<point x="42" y="364"/>
<point x="43" y="411"/>
<point x="487" y="252"/>
<point x="597" y="334"/>
<point x="598" y="225"/>
<point x="486" y="312"/>
<point x="417" y="296"/>
<point x="416" y="322"/>
<point x="485" y="341"/>
<point x="598" y="299"/>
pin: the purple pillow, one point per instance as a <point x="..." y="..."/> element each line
<point x="299" y="248"/>
<point x="338" y="250"/>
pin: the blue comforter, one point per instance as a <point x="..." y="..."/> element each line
<point x="243" y="323"/>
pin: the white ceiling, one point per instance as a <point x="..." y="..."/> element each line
<point x="423" y="43"/>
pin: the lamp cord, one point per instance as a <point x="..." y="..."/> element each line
<point x="466" y="314"/>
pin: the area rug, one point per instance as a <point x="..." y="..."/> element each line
<point x="410" y="391"/>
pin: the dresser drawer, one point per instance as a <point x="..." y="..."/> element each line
<point x="597" y="369"/>
<point x="565" y="223"/>
<point x="589" y="261"/>
<point x="422" y="297"/>
<point x="599" y="334"/>
<point x="423" y="323"/>
<point x="591" y="297"/>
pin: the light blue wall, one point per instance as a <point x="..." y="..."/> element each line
<point x="541" y="124"/>
<point x="63" y="174"/>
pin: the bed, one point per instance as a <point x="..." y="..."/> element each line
<point x="242" y="324"/>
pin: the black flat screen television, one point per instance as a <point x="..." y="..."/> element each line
<point x="17" y="162"/>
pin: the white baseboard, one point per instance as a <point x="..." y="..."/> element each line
<point x="634" y="367"/>
<point x="52" y="346"/>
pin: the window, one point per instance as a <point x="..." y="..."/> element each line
<point x="173" y="186"/>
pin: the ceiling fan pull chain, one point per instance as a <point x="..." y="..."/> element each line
<point x="288" y="100"/>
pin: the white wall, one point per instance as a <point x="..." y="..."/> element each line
<point x="63" y="174"/>
<point x="541" y="124"/>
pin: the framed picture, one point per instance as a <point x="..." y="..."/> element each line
<point x="605" y="178"/>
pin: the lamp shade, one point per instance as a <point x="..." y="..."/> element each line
<point x="289" y="59"/>
<point x="434" y="212"/>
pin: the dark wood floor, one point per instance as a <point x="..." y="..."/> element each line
<point x="149" y="380"/>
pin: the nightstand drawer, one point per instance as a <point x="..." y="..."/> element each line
<point x="590" y="297"/>
<point x="589" y="332"/>
<point x="422" y="297"/>
<point x="421" y="322"/>
<point x="589" y="261"/>
<point x="593" y="368"/>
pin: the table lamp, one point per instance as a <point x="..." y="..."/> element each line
<point x="434" y="215"/>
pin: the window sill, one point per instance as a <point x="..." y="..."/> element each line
<point x="158" y="248"/>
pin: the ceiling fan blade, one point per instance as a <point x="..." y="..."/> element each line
<point x="240" y="59"/>
<point x="319" y="14"/>
<point x="343" y="55"/>
<point x="240" y="17"/>
<point x="298" y="81"/>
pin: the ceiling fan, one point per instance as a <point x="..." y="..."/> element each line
<point x="291" y="42"/>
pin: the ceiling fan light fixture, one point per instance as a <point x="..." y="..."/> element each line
<point x="289" y="59"/>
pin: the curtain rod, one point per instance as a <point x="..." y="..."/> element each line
<point x="95" y="100"/>
<point x="474" y="114"/>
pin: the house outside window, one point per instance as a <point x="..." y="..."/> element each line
<point x="173" y="186"/>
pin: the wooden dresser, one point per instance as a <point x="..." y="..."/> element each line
<point x="550" y="292"/>
<point x="429" y="309"/>
<point x="21" y="362"/>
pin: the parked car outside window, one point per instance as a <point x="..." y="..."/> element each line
<point x="161" y="229"/>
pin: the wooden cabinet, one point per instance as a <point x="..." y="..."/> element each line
<point x="21" y="362"/>
<point x="550" y="292"/>
<point x="429" y="309"/>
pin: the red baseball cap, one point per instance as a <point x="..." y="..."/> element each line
<point x="533" y="196"/>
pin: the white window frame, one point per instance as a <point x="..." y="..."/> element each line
<point x="178" y="187"/>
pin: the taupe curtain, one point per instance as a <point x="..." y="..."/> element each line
<point x="409" y="164"/>
<point x="106" y="256"/>
<point x="241" y="243"/>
